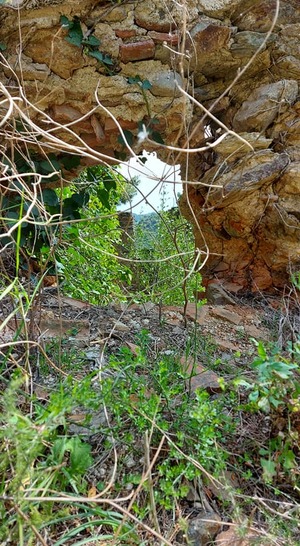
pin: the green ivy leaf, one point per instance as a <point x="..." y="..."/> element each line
<point x="129" y="138"/>
<point x="79" y="199"/>
<point x="97" y="55"/>
<point x="106" y="59"/>
<point x="48" y="167"/>
<point x="74" y="39"/>
<point x="156" y="136"/>
<point x="91" y="41"/>
<point x="103" y="197"/>
<point x="64" y="21"/>
<point x="50" y="198"/>
<point x="109" y="184"/>
<point x="146" y="85"/>
<point x="70" y="162"/>
<point x="132" y="80"/>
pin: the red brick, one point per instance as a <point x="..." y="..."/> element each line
<point x="123" y="33"/>
<point x="171" y="39"/>
<point x="162" y="25"/>
<point x="111" y="127"/>
<point x="137" y="51"/>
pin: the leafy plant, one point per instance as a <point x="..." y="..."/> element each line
<point x="89" y="251"/>
<point x="275" y="383"/>
<point x="141" y="398"/>
<point x="276" y="390"/>
<point x="159" y="276"/>
<point x="89" y="43"/>
<point x="146" y="127"/>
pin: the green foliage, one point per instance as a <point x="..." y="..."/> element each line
<point x="89" y="249"/>
<point x="86" y="252"/>
<point x="146" y="126"/>
<point x="90" y="43"/>
<point x="36" y="458"/>
<point x="295" y="278"/>
<point x="165" y="247"/>
<point x="36" y="233"/>
<point x="142" y="397"/>
<point x="276" y="391"/>
<point x="275" y="380"/>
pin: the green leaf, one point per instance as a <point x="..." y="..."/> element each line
<point x="132" y="80"/>
<point x="269" y="470"/>
<point x="129" y="137"/>
<point x="109" y="184"/>
<point x="156" y="136"/>
<point x="48" y="167"/>
<point x="64" y="21"/>
<point x="261" y="350"/>
<point x="70" y="162"/>
<point x="79" y="199"/>
<point x="289" y="461"/>
<point x="80" y="456"/>
<point x="146" y="85"/>
<point x="50" y="198"/>
<point x="74" y="39"/>
<point x="103" y="196"/>
<point x="12" y="217"/>
<point x="91" y="41"/>
<point x="97" y="55"/>
<point x="2" y="47"/>
<point x="106" y="59"/>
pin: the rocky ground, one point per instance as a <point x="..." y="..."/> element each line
<point x="224" y="349"/>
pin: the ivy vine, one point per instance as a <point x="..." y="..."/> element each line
<point x="89" y="43"/>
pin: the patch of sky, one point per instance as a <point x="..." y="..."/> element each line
<point x="159" y="184"/>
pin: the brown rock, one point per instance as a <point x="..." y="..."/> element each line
<point x="52" y="326"/>
<point x="125" y="33"/>
<point x="231" y="538"/>
<point x="225" y="345"/>
<point x="224" y="314"/>
<point x="197" y="313"/>
<point x="200" y="377"/>
<point x="216" y="295"/>
<point x="137" y="51"/>
<point x="207" y="36"/>
<point x="264" y="104"/>
<point x="203" y="528"/>
<point x="150" y="15"/>
<point x="60" y="56"/>
<point x="169" y="38"/>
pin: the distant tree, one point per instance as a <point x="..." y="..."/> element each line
<point x="128" y="189"/>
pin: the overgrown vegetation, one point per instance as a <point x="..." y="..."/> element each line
<point x="113" y="453"/>
<point x="158" y="438"/>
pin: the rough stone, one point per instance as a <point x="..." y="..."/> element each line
<point x="200" y="377"/>
<point x="52" y="326"/>
<point x="231" y="538"/>
<point x="165" y="83"/>
<point x="203" y="528"/>
<point x="224" y="314"/>
<point x="216" y="294"/>
<point x="264" y="104"/>
<point x="137" y="51"/>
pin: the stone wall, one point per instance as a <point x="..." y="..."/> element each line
<point x="243" y="200"/>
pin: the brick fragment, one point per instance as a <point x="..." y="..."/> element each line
<point x="171" y="39"/>
<point x="137" y="51"/>
<point x="125" y="33"/>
